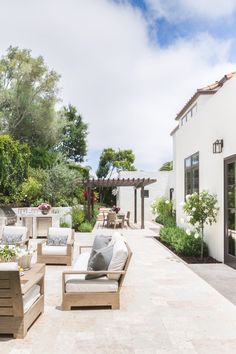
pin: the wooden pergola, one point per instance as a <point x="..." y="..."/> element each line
<point x="136" y="183"/>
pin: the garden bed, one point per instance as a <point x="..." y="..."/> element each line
<point x="189" y="259"/>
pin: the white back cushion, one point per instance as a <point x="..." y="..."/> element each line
<point x="15" y="231"/>
<point x="119" y="258"/>
<point x="60" y="231"/>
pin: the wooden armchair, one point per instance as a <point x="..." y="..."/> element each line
<point x="94" y="292"/>
<point x="56" y="254"/>
<point x="15" y="235"/>
<point x="20" y="304"/>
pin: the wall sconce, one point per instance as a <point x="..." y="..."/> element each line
<point x="218" y="146"/>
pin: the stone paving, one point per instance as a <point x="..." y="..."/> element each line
<point x="165" y="308"/>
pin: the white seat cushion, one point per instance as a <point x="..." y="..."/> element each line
<point x="8" y="266"/>
<point x="30" y="297"/>
<point x="97" y="285"/>
<point x="78" y="284"/>
<point x="54" y="250"/>
<point x="119" y="258"/>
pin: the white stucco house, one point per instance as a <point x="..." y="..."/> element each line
<point x="125" y="195"/>
<point x="204" y="149"/>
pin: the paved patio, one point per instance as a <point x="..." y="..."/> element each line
<point x="165" y="308"/>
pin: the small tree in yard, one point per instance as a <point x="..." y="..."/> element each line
<point x="201" y="210"/>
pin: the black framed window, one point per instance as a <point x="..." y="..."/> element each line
<point x="191" y="173"/>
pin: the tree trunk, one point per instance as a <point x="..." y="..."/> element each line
<point x="202" y="242"/>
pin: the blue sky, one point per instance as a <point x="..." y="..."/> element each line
<point x="127" y="65"/>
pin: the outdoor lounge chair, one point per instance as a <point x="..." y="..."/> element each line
<point x="103" y="291"/>
<point x="20" y="305"/>
<point x="14" y="235"/>
<point x="58" y="248"/>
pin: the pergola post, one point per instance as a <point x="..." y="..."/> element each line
<point x="142" y="208"/>
<point x="135" y="205"/>
<point x="89" y="203"/>
<point x="92" y="202"/>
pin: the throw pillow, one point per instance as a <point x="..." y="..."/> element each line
<point x="99" y="260"/>
<point x="101" y="241"/>
<point x="11" y="239"/>
<point x="119" y="258"/>
<point x="57" y="240"/>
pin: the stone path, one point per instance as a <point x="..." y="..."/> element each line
<point x="165" y="308"/>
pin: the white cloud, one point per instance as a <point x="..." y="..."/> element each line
<point x="190" y="9"/>
<point x="127" y="87"/>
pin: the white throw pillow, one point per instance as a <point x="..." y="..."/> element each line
<point x="115" y="237"/>
<point x="119" y="258"/>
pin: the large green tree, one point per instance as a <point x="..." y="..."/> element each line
<point x="167" y="166"/>
<point x="73" y="143"/>
<point x="14" y="162"/>
<point x="28" y="93"/>
<point x="111" y="160"/>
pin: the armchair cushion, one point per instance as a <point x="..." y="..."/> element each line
<point x="8" y="239"/>
<point x="54" y="250"/>
<point x="8" y="266"/>
<point x="57" y="240"/>
<point x="30" y="297"/>
<point x="119" y="258"/>
<point x="61" y="231"/>
<point x="99" y="260"/>
<point x="101" y="241"/>
<point x="14" y="231"/>
<point x="95" y="285"/>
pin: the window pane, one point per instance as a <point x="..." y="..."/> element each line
<point x="188" y="162"/>
<point x="188" y="189"/>
<point x="195" y="181"/>
<point x="195" y="159"/>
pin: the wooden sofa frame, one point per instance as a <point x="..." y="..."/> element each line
<point x="13" y="320"/>
<point x="88" y="299"/>
<point x="56" y="259"/>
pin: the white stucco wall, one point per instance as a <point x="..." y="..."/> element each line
<point x="215" y="120"/>
<point x="125" y="195"/>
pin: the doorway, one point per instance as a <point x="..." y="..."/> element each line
<point x="230" y="212"/>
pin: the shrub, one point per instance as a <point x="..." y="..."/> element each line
<point x="78" y="217"/>
<point x="31" y="189"/>
<point x="163" y="208"/>
<point x="86" y="227"/>
<point x="181" y="242"/>
<point x="64" y="224"/>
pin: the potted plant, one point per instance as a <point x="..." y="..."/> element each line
<point x="8" y="254"/>
<point x="45" y="208"/>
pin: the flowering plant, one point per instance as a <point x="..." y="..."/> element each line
<point x="116" y="209"/>
<point x="44" y="206"/>
<point x="201" y="209"/>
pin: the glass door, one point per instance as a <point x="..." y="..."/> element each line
<point x="230" y="211"/>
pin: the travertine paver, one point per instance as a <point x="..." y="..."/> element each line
<point x="165" y="308"/>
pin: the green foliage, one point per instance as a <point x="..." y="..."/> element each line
<point x="181" y="242"/>
<point x="62" y="185"/>
<point x="201" y="209"/>
<point x="167" y="166"/>
<point x="73" y="142"/>
<point x="86" y="227"/>
<point x="78" y="217"/>
<point x="64" y="224"/>
<point x="41" y="157"/>
<point x="111" y="160"/>
<point x="7" y="253"/>
<point x="14" y="161"/>
<point x="31" y="189"/>
<point x="168" y="221"/>
<point x="163" y="207"/>
<point x="28" y="93"/>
